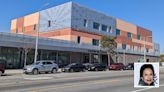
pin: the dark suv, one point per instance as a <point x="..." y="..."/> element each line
<point x="129" y="66"/>
<point x="97" y="67"/>
<point x="2" y="66"/>
<point x="74" y="67"/>
<point x="117" y="66"/>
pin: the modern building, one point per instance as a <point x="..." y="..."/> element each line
<point x="71" y="33"/>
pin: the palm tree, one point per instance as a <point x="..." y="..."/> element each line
<point x="109" y="44"/>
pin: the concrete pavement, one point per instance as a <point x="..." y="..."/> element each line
<point x="20" y="71"/>
<point x="103" y="81"/>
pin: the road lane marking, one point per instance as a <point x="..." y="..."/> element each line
<point x="39" y="78"/>
<point x="139" y="90"/>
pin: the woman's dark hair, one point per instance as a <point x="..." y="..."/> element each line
<point x="144" y="67"/>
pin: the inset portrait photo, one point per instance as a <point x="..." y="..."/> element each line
<point x="146" y="75"/>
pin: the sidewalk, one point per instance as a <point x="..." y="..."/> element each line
<point x="13" y="71"/>
<point x="18" y="71"/>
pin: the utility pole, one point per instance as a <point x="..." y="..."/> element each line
<point x="37" y="36"/>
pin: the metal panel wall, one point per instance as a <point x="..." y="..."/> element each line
<point x="79" y="13"/>
<point x="59" y="16"/>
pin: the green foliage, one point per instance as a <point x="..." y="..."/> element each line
<point x="162" y="61"/>
<point x="162" y="55"/>
<point x="109" y="44"/>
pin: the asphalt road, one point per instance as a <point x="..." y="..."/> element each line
<point x="105" y="81"/>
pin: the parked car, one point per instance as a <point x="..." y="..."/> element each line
<point x="88" y="65"/>
<point x="41" y="66"/>
<point x="117" y="66"/>
<point x="74" y="67"/>
<point x="129" y="66"/>
<point x="97" y="67"/>
<point x="2" y="66"/>
<point x="62" y="65"/>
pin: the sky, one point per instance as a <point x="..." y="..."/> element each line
<point x="145" y="13"/>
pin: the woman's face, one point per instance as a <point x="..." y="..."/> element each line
<point x="147" y="76"/>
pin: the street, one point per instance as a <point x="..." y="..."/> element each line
<point x="103" y="81"/>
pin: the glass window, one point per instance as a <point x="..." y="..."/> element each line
<point x="63" y="58"/>
<point x="78" y="39"/>
<point x="43" y="63"/>
<point x="123" y="46"/>
<point x="129" y="35"/>
<point x="49" y="23"/>
<point x="34" y="26"/>
<point x="139" y="37"/>
<point x="110" y="29"/>
<point x="104" y="28"/>
<point x="96" y="25"/>
<point x="95" y="42"/>
<point x="49" y="63"/>
<point x="118" y="32"/>
<point x="85" y="23"/>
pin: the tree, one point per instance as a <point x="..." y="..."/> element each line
<point x="26" y="51"/>
<point x="109" y="44"/>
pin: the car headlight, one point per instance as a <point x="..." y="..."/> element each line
<point x="29" y="68"/>
<point x="92" y="67"/>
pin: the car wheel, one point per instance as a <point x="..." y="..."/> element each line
<point x="71" y="70"/>
<point x="0" y="73"/>
<point x="35" y="71"/>
<point x="54" y="70"/>
<point x="96" y="69"/>
<point x="84" y="70"/>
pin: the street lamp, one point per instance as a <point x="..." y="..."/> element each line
<point x="145" y="47"/>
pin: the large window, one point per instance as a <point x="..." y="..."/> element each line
<point x="49" y="23"/>
<point x="11" y="56"/>
<point x="96" y="25"/>
<point x="124" y="46"/>
<point x="48" y="55"/>
<point x="129" y="35"/>
<point x="63" y="58"/>
<point x="104" y="28"/>
<point x="95" y="42"/>
<point x="139" y="37"/>
<point x="78" y="39"/>
<point x="118" y="32"/>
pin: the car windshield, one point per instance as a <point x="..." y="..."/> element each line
<point x="70" y="65"/>
<point x="2" y="61"/>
